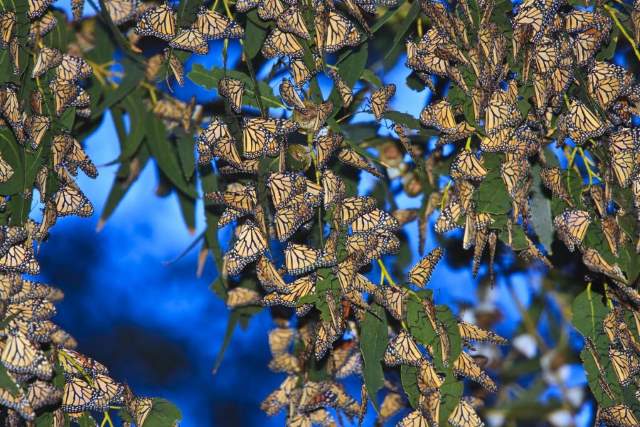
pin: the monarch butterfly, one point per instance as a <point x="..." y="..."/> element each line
<point x="176" y="67"/>
<point x="420" y="274"/>
<point x="299" y="288"/>
<point x="402" y="350"/>
<point x="625" y="365"/>
<point x="232" y="90"/>
<point x="40" y="27"/>
<point x="300" y="259"/>
<point x="247" y="166"/>
<point x="6" y="171"/>
<point x="7" y="23"/>
<point x="73" y="68"/>
<point x="325" y="147"/>
<point x="217" y="140"/>
<point x="37" y="7"/>
<point x="79" y="396"/>
<point x="587" y="31"/>
<point x="79" y="365"/>
<point x="357" y="160"/>
<point x="471" y="332"/>
<point x="159" y="21"/>
<point x="82" y="101"/>
<point x="326" y="335"/>
<point x="246" y="5"/>
<point x="32" y="309"/>
<point x="595" y="262"/>
<point x="213" y="26"/>
<point x="64" y="93"/>
<point x="280" y="340"/>
<point x="299" y="71"/>
<point x="545" y="55"/>
<point x="279" y="43"/>
<point x="313" y="116"/>
<point x="393" y="299"/>
<point x="333" y="188"/>
<point x="343" y="89"/>
<point x="580" y="124"/>
<point x="257" y="140"/>
<point x="380" y="100"/>
<point x="47" y="58"/>
<point x="289" y="218"/>
<point x="376" y="220"/>
<point x="18" y="403"/>
<point x="190" y="40"/>
<point x="284" y="186"/>
<point x="448" y="219"/>
<point x="269" y="277"/>
<point x="464" y="415"/>
<point x="467" y="166"/>
<point x="619" y="415"/>
<point x="514" y="173"/>
<point x="69" y="200"/>
<point x="428" y="379"/>
<point x="290" y="96"/>
<point x="242" y="297"/>
<point x="345" y="360"/>
<point x="75" y="158"/>
<point x="248" y="247"/>
<point x="140" y="408"/>
<point x="42" y="393"/>
<point x="391" y="404"/>
<point x="120" y="11"/>
<point x="241" y="198"/>
<point x="563" y="74"/>
<point x="623" y="164"/>
<point x="270" y="9"/>
<point x="352" y="207"/>
<point x="552" y="179"/>
<point x="19" y="355"/>
<point x="340" y="32"/>
<point x="62" y="338"/>
<point x="465" y="366"/>
<point x="500" y="115"/>
<point x="607" y="82"/>
<point x="624" y="139"/>
<point x="279" y="398"/>
<point x="292" y="21"/>
<point x="19" y="259"/>
<point x="598" y="197"/>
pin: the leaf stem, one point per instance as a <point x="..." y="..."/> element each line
<point x="632" y="42"/>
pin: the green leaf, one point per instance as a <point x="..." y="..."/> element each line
<point x="126" y="175"/>
<point x="491" y="196"/>
<point x="188" y="210"/>
<point x="209" y="80"/>
<point x="450" y="324"/>
<point x="373" y="343"/>
<point x="450" y="394"/>
<point x="588" y="313"/>
<point x="409" y="379"/>
<point x="12" y="153"/>
<point x="166" y="156"/>
<point x="402" y="30"/>
<point x="403" y="118"/>
<point x="541" y="212"/>
<point x="186" y="154"/>
<point x="163" y="414"/>
<point x="370" y="77"/>
<point x="133" y="74"/>
<point x="518" y="239"/>
<point x="6" y="383"/>
<point x="187" y="12"/>
<point x="137" y="118"/>
<point x="255" y="35"/>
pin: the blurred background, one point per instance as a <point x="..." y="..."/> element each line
<point x="135" y="304"/>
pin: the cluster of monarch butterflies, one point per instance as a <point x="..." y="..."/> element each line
<point x="44" y="90"/>
<point x="514" y="89"/>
